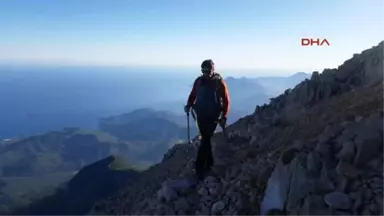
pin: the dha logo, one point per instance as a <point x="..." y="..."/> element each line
<point x="312" y="41"/>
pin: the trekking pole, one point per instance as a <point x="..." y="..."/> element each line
<point x="224" y="127"/>
<point x="193" y="114"/>
<point x="189" y="130"/>
<point x="195" y="120"/>
<point x="225" y="132"/>
<point x="198" y="137"/>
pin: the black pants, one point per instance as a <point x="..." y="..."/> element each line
<point x="204" y="160"/>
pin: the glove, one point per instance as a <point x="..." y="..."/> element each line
<point x="187" y="109"/>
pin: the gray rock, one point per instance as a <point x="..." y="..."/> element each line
<point x="377" y="183"/>
<point x="210" y="180"/>
<point x="215" y="189"/>
<point x="275" y="212"/>
<point x="324" y="183"/>
<point x="233" y="212"/>
<point x="374" y="209"/>
<point x="358" y="118"/>
<point x="380" y="205"/>
<point x="347" y="170"/>
<point x="368" y="194"/>
<point x="298" y="144"/>
<point x="339" y="212"/>
<point x="181" y="204"/>
<point x="366" y="211"/>
<point x="181" y="212"/>
<point x="166" y="193"/>
<point x="232" y="172"/>
<point x="358" y="199"/>
<point x="313" y="164"/>
<point x="323" y="148"/>
<point x="288" y="155"/>
<point x="203" y="191"/>
<point x="330" y="132"/>
<point x="169" y="211"/>
<point x="369" y="144"/>
<point x="376" y="164"/>
<point x="277" y="188"/>
<point x="204" y="210"/>
<point x="217" y="207"/>
<point x="314" y="205"/>
<point x="338" y="200"/>
<point x="164" y="210"/>
<point x="207" y="200"/>
<point x="298" y="180"/>
<point x="375" y="122"/>
<point x="347" y="151"/>
<point x="356" y="185"/>
<point x="348" y="134"/>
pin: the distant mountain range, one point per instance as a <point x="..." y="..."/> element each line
<point x="246" y="93"/>
<point x="141" y="137"/>
<point x="79" y="96"/>
<point x="150" y="132"/>
<point x="34" y="166"/>
<point x="135" y="125"/>
<point x="275" y="85"/>
<point x="61" y="151"/>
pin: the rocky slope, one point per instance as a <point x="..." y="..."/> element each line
<point x="316" y="149"/>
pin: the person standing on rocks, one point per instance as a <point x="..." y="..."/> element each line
<point x="209" y="99"/>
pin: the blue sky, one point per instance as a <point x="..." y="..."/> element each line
<point x="241" y="34"/>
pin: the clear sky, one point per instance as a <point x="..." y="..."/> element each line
<point x="244" y="34"/>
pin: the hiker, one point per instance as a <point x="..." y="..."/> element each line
<point x="209" y="99"/>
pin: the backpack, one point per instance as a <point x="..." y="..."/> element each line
<point x="208" y="101"/>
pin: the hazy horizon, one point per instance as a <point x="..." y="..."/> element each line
<point x="158" y="70"/>
<point x="35" y="100"/>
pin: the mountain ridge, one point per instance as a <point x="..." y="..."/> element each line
<point x="91" y="183"/>
<point x="278" y="136"/>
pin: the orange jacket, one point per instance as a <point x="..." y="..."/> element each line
<point x="223" y="94"/>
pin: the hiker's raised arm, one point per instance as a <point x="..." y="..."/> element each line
<point x="225" y="97"/>
<point x="192" y="95"/>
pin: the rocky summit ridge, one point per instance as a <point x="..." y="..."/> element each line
<point x="315" y="149"/>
